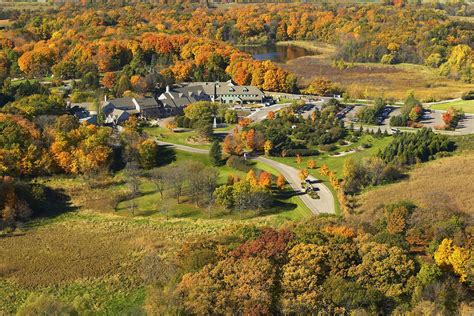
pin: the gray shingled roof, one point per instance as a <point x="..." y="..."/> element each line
<point x="228" y="88"/>
<point x="182" y="96"/>
<point x="147" y="102"/>
<point x="123" y="103"/>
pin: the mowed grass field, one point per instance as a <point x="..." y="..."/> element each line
<point x="370" y="80"/>
<point x="443" y="183"/>
<point x="184" y="136"/>
<point x="466" y="105"/>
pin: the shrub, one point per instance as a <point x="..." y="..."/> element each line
<point x="238" y="163"/>
<point x="327" y="147"/>
<point x="468" y="95"/>
<point x="399" y="120"/>
<point x="82" y="96"/>
<point x="42" y="304"/>
<point x="301" y="152"/>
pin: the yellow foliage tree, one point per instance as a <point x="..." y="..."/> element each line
<point x="324" y="170"/>
<point x="458" y="258"/>
<point x="311" y="164"/>
<point x="252" y="178"/>
<point x="267" y="147"/>
<point x="280" y="182"/>
<point x="298" y="159"/>
<point x="303" y="174"/>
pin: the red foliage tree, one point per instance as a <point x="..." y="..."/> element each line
<point x="271" y="244"/>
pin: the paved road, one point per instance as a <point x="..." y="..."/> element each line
<point x="323" y="205"/>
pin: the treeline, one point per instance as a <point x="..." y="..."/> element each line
<point x="365" y="33"/>
<point x="186" y="44"/>
<point x="411" y="148"/>
<point x="39" y="138"/>
<point x="411" y="112"/>
<point x="403" y="259"/>
<point x="391" y="162"/>
<point x="138" y="58"/>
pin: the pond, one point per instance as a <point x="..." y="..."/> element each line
<point x="276" y="53"/>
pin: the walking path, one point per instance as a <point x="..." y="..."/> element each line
<point x="325" y="204"/>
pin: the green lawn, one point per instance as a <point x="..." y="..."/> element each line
<point x="287" y="206"/>
<point x="465" y="105"/>
<point x="335" y="164"/>
<point x="181" y="138"/>
<point x="185" y="136"/>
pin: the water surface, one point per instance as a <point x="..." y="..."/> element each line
<point x="276" y="53"/>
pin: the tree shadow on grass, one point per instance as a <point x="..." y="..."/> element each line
<point x="57" y="202"/>
<point x="166" y="155"/>
<point x="279" y="205"/>
<point x="53" y="203"/>
<point x="185" y="213"/>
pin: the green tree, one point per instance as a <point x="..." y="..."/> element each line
<point x="384" y="268"/>
<point x="35" y="105"/>
<point x="231" y="117"/>
<point x="204" y="129"/>
<point x="215" y="153"/>
<point x="224" y="196"/>
<point x="201" y="111"/>
<point x="123" y="84"/>
<point x="350" y="295"/>
<point x="42" y="304"/>
<point x="148" y="153"/>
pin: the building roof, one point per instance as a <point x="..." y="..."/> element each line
<point x="146" y="102"/>
<point x="118" y="113"/>
<point x="191" y="92"/>
<point x="90" y="119"/>
<point x="123" y="103"/>
<point x="218" y="89"/>
<point x="182" y="96"/>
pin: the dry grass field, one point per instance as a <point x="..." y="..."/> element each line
<point x="443" y="183"/>
<point x="370" y="80"/>
<point x="93" y="258"/>
<point x="25" y="5"/>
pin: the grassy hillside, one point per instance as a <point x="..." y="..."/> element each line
<point x="90" y="258"/>
<point x="443" y="183"/>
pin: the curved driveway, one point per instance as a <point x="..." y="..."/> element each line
<point x="325" y="204"/>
